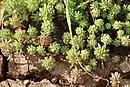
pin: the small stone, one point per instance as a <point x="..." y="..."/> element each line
<point x="54" y="80"/>
<point x="26" y="82"/>
<point x="125" y="67"/>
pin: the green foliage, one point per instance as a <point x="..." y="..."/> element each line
<point x="120" y="33"/>
<point x="13" y="6"/>
<point x="95" y="12"/>
<point x="20" y="35"/>
<point x="78" y="42"/>
<point x="117" y="42"/>
<point x="92" y="42"/>
<point x="48" y="63"/>
<point x="98" y="22"/>
<point x="80" y="32"/>
<point x="48" y="28"/>
<point x="66" y="38"/>
<point x="115" y="79"/>
<point x="54" y="47"/>
<point x="32" y="31"/>
<point x="117" y="25"/>
<point x="83" y="23"/>
<point x="53" y="2"/>
<point x="75" y="57"/>
<point x="32" y="5"/>
<point x="88" y="68"/>
<point x="18" y="46"/>
<point x="101" y="52"/>
<point x="92" y="29"/>
<point x="40" y="50"/>
<point x="93" y="62"/>
<point x="107" y="25"/>
<point x="128" y="16"/>
<point x="60" y="7"/>
<point x="84" y="54"/>
<point x="105" y="21"/>
<point x="31" y="49"/>
<point x="106" y="39"/>
<point x="47" y="12"/>
<point x="5" y="33"/>
<point x="6" y="47"/>
<point x="125" y="41"/>
<point x="14" y="20"/>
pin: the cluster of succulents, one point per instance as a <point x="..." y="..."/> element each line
<point x="31" y="26"/>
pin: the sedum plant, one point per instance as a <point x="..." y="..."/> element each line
<point x="47" y="12"/>
<point x="125" y="41"/>
<point x="93" y="62"/>
<point x="32" y="31"/>
<point x="5" y="33"/>
<point x="48" y="63"/>
<point x="127" y="85"/>
<point x="106" y="39"/>
<point x="78" y="42"/>
<point x="95" y="12"/>
<point x="107" y="25"/>
<point x="115" y="79"/>
<point x="20" y="35"/>
<point x="92" y="29"/>
<point x="92" y="42"/>
<point x="88" y="68"/>
<point x="80" y="32"/>
<point x="55" y="47"/>
<point x="100" y="24"/>
<point x="31" y="49"/>
<point x="66" y="38"/>
<point x="117" y="42"/>
<point x="76" y="57"/>
<point x="101" y="52"/>
<point x="120" y="33"/>
<point x="6" y="47"/>
<point x="60" y="7"/>
<point x="48" y="28"/>
<point x="32" y="5"/>
<point x="117" y="25"/>
<point x="18" y="46"/>
<point x="40" y="49"/>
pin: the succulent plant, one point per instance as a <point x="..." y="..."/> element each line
<point x="32" y="5"/>
<point x="95" y="12"/>
<point x="20" y="35"/>
<point x="40" y="49"/>
<point x="117" y="25"/>
<point x="80" y="32"/>
<point x="31" y="49"/>
<point x="47" y="12"/>
<point x="18" y="46"/>
<point x="98" y="22"/>
<point x="60" y="7"/>
<point x="106" y="39"/>
<point x="66" y="38"/>
<point x="88" y="68"/>
<point x="48" y="27"/>
<point x="115" y="79"/>
<point x="125" y="41"/>
<point x="48" y="63"/>
<point x="5" y="33"/>
<point x="101" y="52"/>
<point x="32" y="31"/>
<point x="55" y="47"/>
